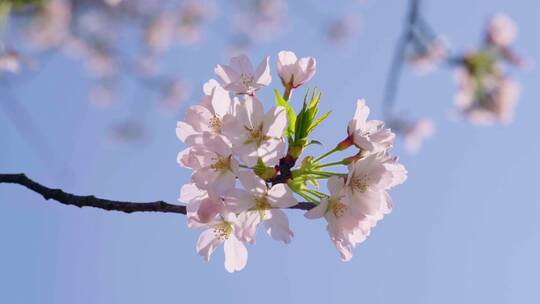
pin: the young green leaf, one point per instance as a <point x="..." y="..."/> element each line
<point x="291" y="115"/>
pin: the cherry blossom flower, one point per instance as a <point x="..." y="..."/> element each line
<point x="191" y="17"/>
<point x="113" y="2"/>
<point x="429" y="56"/>
<point x="417" y="132"/>
<point x="208" y="116"/>
<point x="259" y="20"/>
<point x="367" y="182"/>
<point x="369" y="135"/>
<point x="212" y="163"/>
<point x="235" y="139"/>
<point x="160" y="32"/>
<point x="174" y="94"/>
<point x="52" y="26"/>
<point x="259" y="199"/>
<point x="10" y="62"/>
<point x="341" y="29"/>
<point x="501" y="31"/>
<point x="491" y="100"/>
<point x="255" y="134"/>
<point x="342" y="227"/>
<point x="239" y="76"/>
<point x="223" y="230"/>
<point x="293" y="71"/>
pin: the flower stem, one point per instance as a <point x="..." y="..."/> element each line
<point x="337" y="163"/>
<point x="316" y="193"/>
<point x="327" y="154"/>
<point x="288" y="92"/>
<point x="322" y="173"/>
<point x="306" y="196"/>
<point x="244" y="166"/>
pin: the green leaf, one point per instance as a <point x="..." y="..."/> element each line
<point x="314" y="142"/>
<point x="318" y="121"/>
<point x="5" y="9"/>
<point x="291" y="115"/>
<point x="263" y="171"/>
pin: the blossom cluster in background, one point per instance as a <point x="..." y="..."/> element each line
<point x="97" y="32"/>
<point x="246" y="162"/>
<point x="486" y="92"/>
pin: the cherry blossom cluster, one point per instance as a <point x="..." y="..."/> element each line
<point x="248" y="164"/>
<point x="486" y="93"/>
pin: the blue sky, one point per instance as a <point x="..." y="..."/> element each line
<point x="464" y="228"/>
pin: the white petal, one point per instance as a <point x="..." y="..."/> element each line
<point x="208" y="209"/>
<point x="281" y="196"/>
<point x="184" y="130"/>
<point x="254" y="112"/>
<point x="209" y="86"/>
<point x="251" y="182"/>
<point x="207" y="243"/>
<point x="278" y="226"/>
<point x="246" y="226"/>
<point x="238" y="200"/>
<point x="204" y="178"/>
<point x="362" y="111"/>
<point x="286" y="58"/>
<point x="242" y="64"/>
<point x="236" y="254"/>
<point x="271" y="151"/>
<point x="262" y="74"/>
<point x="335" y="185"/>
<point x="275" y="122"/>
<point x="183" y="159"/>
<point x="221" y="101"/>
<point x="199" y="117"/>
<point x="318" y="211"/>
<point x="190" y="192"/>
<point x="224" y="182"/>
<point x="217" y="143"/>
<point x="345" y="251"/>
<point x="226" y="74"/>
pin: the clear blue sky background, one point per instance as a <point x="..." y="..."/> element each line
<point x="465" y="228"/>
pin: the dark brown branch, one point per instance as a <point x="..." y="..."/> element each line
<point x="109" y="205"/>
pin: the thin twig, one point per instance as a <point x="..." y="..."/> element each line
<point x="105" y="204"/>
<point x="394" y="73"/>
<point x="24" y="124"/>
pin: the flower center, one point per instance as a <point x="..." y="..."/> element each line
<point x="221" y="163"/>
<point x="215" y="124"/>
<point x="262" y="204"/>
<point x="223" y="231"/>
<point x="337" y="208"/>
<point x="360" y="183"/>
<point x="246" y="80"/>
<point x="256" y="136"/>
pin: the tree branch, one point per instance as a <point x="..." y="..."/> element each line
<point x="392" y="82"/>
<point x="105" y="204"/>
